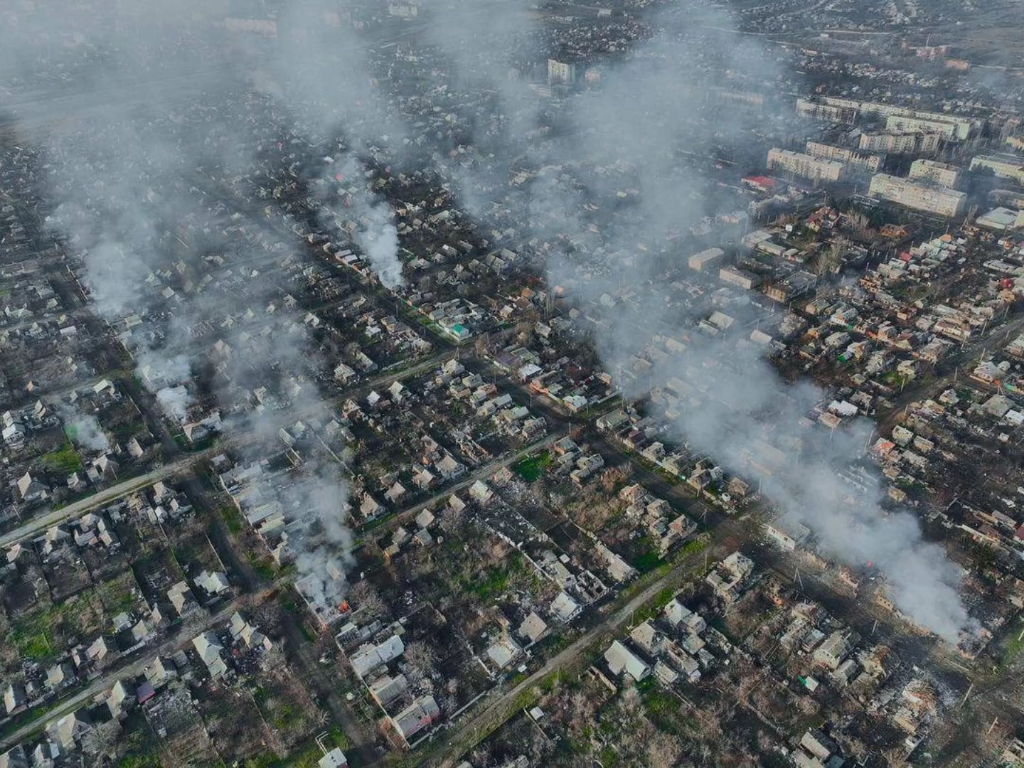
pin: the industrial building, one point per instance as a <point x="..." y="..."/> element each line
<point x="919" y="196"/>
<point x="808" y="166"/>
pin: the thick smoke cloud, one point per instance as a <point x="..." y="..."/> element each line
<point x="323" y="539"/>
<point x="84" y="430"/>
<point x="651" y="109"/>
<point x="600" y="200"/>
<point x="135" y="178"/>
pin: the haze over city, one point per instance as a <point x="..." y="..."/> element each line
<point x="505" y="383"/>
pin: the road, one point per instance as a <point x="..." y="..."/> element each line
<point x="128" y="670"/>
<point x="104" y="497"/>
<point x="497" y="710"/>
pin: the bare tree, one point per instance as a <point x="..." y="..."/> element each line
<point x="419" y="660"/>
<point x="365" y="598"/>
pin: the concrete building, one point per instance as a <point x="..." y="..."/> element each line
<point x="740" y="277"/>
<point x="807" y="166"/>
<point x="559" y="72"/>
<point x="921" y="197"/>
<point x="417" y="716"/>
<point x="707" y="258"/>
<point x="787" y="534"/>
<point x="622" y="660"/>
<point x="386" y="689"/>
<point x="963" y="127"/>
<point x="369" y="657"/>
<point x="333" y="759"/>
<point x="831" y="653"/>
<point x="849" y="157"/>
<point x="943" y="174"/>
<point x="1003" y="166"/>
<point x="900" y="143"/>
<point x="909" y="124"/>
<point x="819" y="110"/>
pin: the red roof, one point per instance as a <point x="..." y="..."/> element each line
<point x="762" y="181"/>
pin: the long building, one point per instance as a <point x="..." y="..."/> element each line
<point x="921" y="197"/>
<point x="844" y="155"/>
<point x="808" y="166"/>
<point x="1003" y="166"/>
<point x="900" y="143"/>
<point x="699" y="261"/>
<point x="943" y="174"/>
<point x="914" y="124"/>
<point x="816" y="110"/>
<point x="964" y="126"/>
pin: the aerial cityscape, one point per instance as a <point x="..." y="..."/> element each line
<point x="512" y="383"/>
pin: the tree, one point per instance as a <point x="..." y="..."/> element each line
<point x="365" y="598"/>
<point x="419" y="660"/>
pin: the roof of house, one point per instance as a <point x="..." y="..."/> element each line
<point x="208" y="647"/>
<point x="620" y="659"/>
<point x="533" y="627"/>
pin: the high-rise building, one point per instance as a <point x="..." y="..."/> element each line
<point x="917" y="195"/>
<point x="915" y="124"/>
<point x="1003" y="166"/>
<point x="808" y="166"/>
<point x="817" y="110"/>
<point x="844" y="155"/>
<point x="938" y="173"/>
<point x="900" y="143"/>
<point x="560" y="72"/>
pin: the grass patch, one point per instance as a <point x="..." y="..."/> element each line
<point x="532" y="467"/>
<point x="663" y="708"/>
<point x="261" y="567"/>
<point x="232" y="519"/>
<point x="492" y="585"/>
<point x="64" y="460"/>
<point x="116" y="593"/>
<point x="33" y="647"/>
<point x="647" y="561"/>
<point x="147" y="760"/>
<point x="1013" y="646"/>
<point x="655" y="607"/>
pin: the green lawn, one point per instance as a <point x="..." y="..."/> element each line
<point x="63" y="460"/>
<point x="532" y="467"/>
<point x="232" y="518"/>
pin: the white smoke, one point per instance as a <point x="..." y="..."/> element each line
<point x="126" y="178"/>
<point x="371" y="218"/>
<point x="653" y="103"/>
<point x="175" y="402"/>
<point x="322" y="539"/>
<point x="85" y="431"/>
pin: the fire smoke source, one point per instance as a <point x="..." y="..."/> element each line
<point x="649" y="108"/>
<point x="85" y="431"/>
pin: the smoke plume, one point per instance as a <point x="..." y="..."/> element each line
<point x="84" y="430"/>
<point x="649" y="113"/>
<point x="151" y="187"/>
